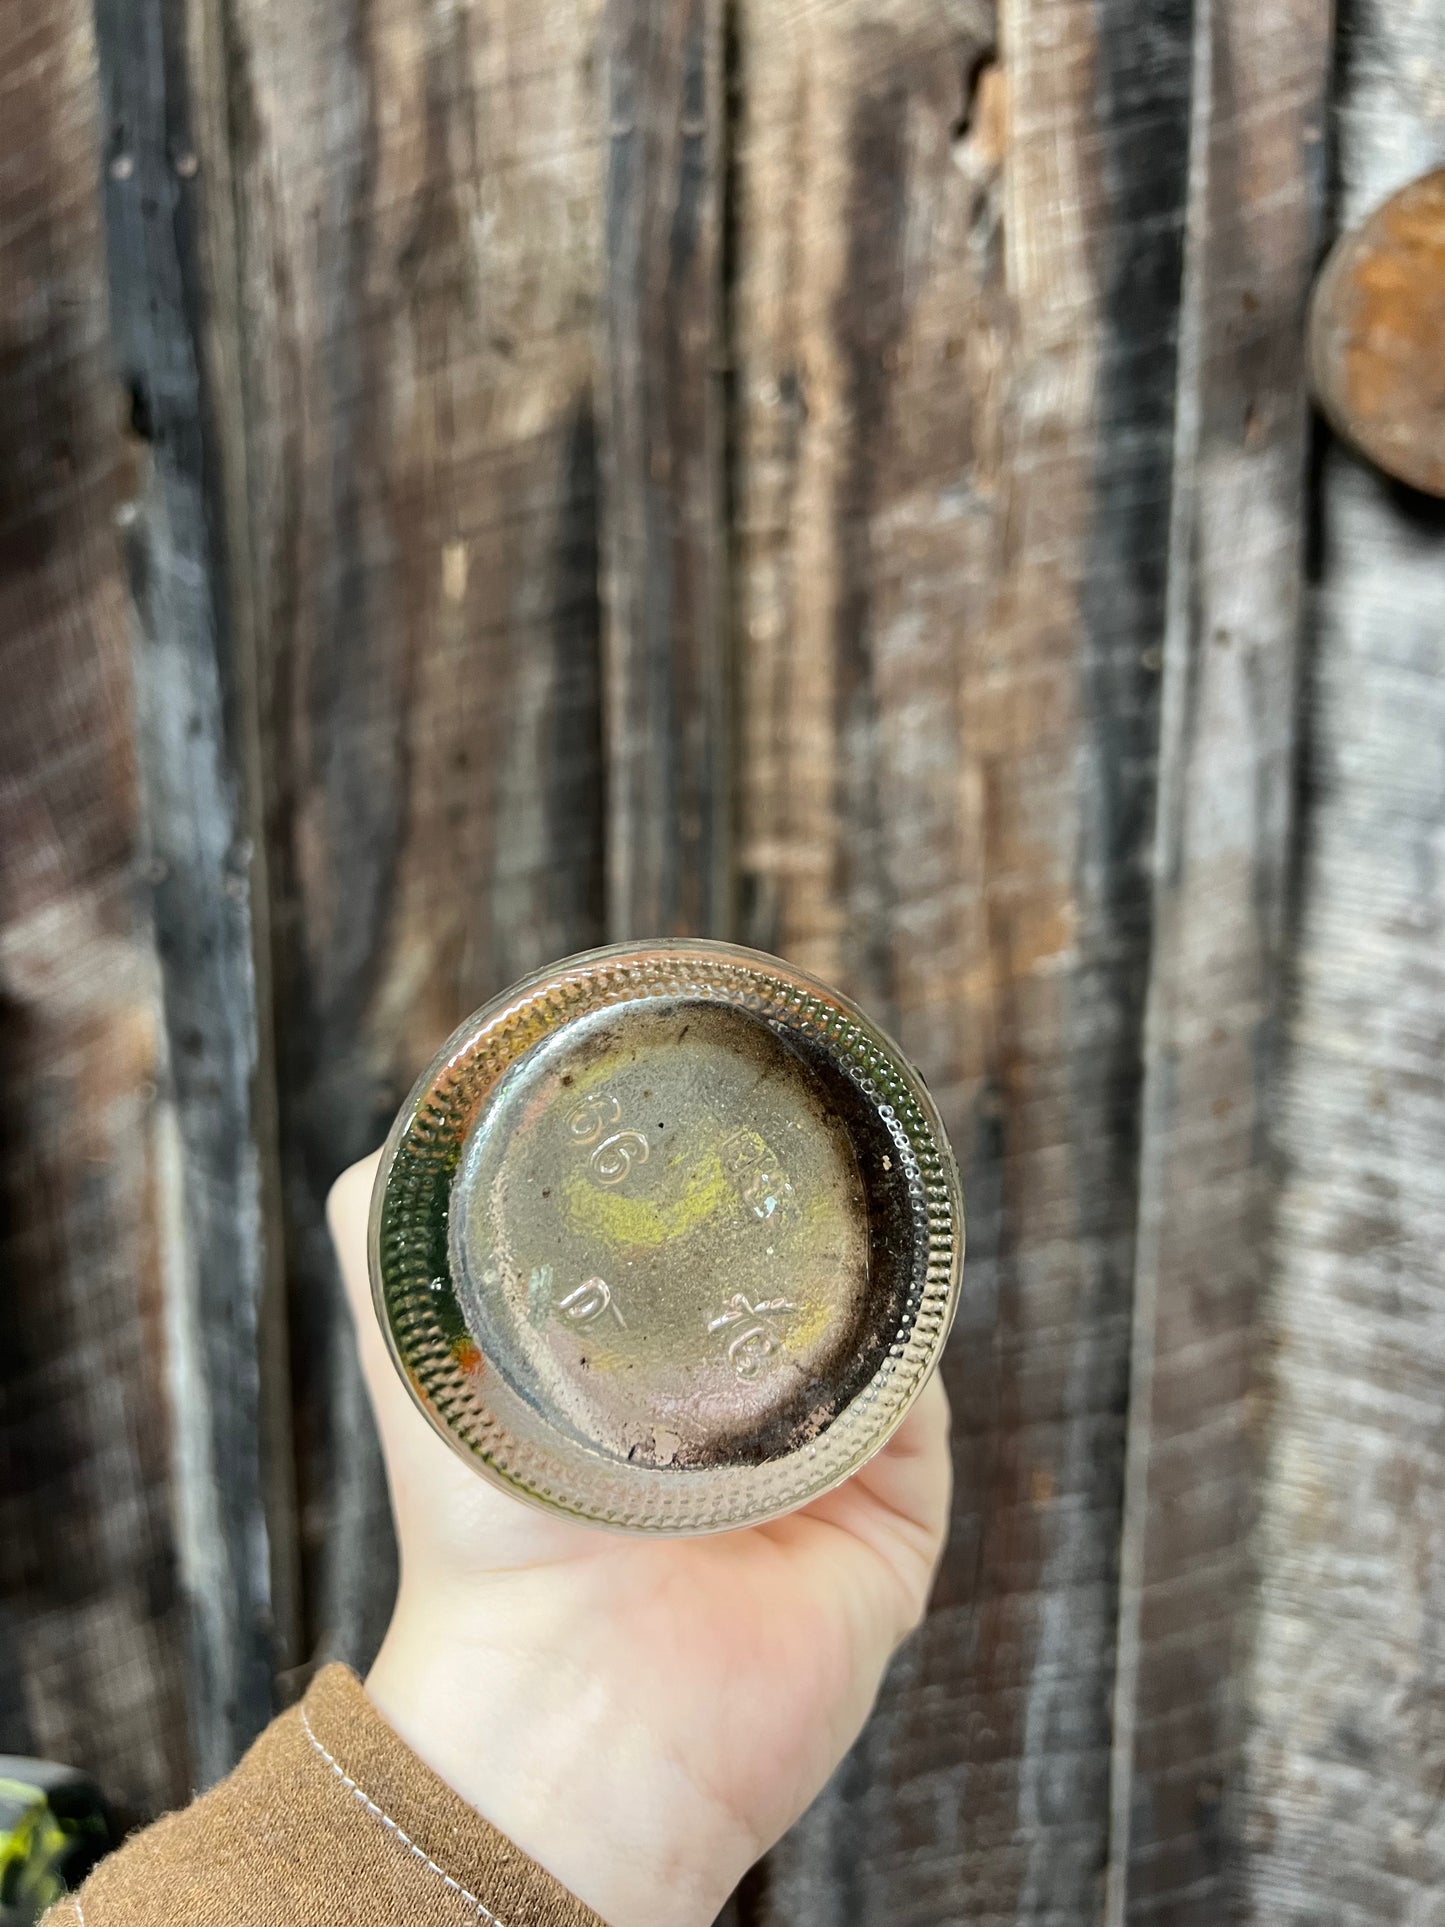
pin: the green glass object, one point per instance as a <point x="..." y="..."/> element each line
<point x="668" y="1237"/>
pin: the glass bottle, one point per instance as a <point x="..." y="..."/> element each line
<point x="668" y="1237"/>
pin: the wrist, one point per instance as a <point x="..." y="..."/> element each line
<point x="508" y="1696"/>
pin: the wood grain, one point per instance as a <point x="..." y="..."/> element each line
<point x="417" y="190"/>
<point x="1346" y="1741"/>
<point x="660" y="379"/>
<point x="93" y="1622"/>
<point x="196" y="729"/>
<point x="543" y="432"/>
<point x="955" y="311"/>
<point x="1222" y="851"/>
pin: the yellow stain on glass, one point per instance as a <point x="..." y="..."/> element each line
<point x="644" y="1223"/>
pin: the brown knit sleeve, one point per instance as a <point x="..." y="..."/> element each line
<point x="329" y="1821"/>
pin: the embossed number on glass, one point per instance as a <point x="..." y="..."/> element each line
<point x="593" y="1115"/>
<point x="589" y="1300"/>
<point x="616" y="1155"/>
<point x="752" y="1347"/>
<point x="763" y="1187"/>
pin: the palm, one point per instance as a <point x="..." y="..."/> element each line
<point x="755" y="1653"/>
<point x="761" y="1650"/>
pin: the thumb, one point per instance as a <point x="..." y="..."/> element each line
<point x="348" y="1210"/>
<point x="447" y="1515"/>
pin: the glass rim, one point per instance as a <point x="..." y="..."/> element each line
<point x="414" y="1292"/>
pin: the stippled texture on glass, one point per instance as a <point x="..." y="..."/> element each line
<point x="667" y="1238"/>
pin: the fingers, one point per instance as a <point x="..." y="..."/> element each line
<point x="894" y="1513"/>
<point x="404" y="1432"/>
<point x="925" y="1431"/>
<point x="348" y="1208"/>
<point x="449" y="1520"/>
<point x="910" y="1482"/>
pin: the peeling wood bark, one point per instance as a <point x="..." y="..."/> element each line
<point x="93" y="1624"/>
<point x="1227" y="771"/>
<point x="665" y="534"/>
<point x="1346" y="1746"/>
<point x="417" y="191"/>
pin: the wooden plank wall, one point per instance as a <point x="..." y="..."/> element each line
<point x="195" y="723"/>
<point x="1228" y="752"/>
<point x="93" y="1617"/>
<point x="952" y="506"/>
<point x="417" y="261"/>
<point x="1346" y="1748"/>
<point x="829" y="474"/>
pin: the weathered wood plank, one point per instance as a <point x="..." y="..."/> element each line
<point x="664" y="526"/>
<point x="1227" y="750"/>
<point x="195" y="731"/>
<point x="957" y="292"/>
<point x="432" y="268"/>
<point x="418" y="190"/>
<point x="93" y="1624"/>
<point x="1347" y="1751"/>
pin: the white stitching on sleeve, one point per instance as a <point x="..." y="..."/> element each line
<point x="387" y="1821"/>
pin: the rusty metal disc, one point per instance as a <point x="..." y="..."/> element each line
<point x="1377" y="335"/>
<point x="668" y="1237"/>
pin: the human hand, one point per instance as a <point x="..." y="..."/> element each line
<point x="642" y="1717"/>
